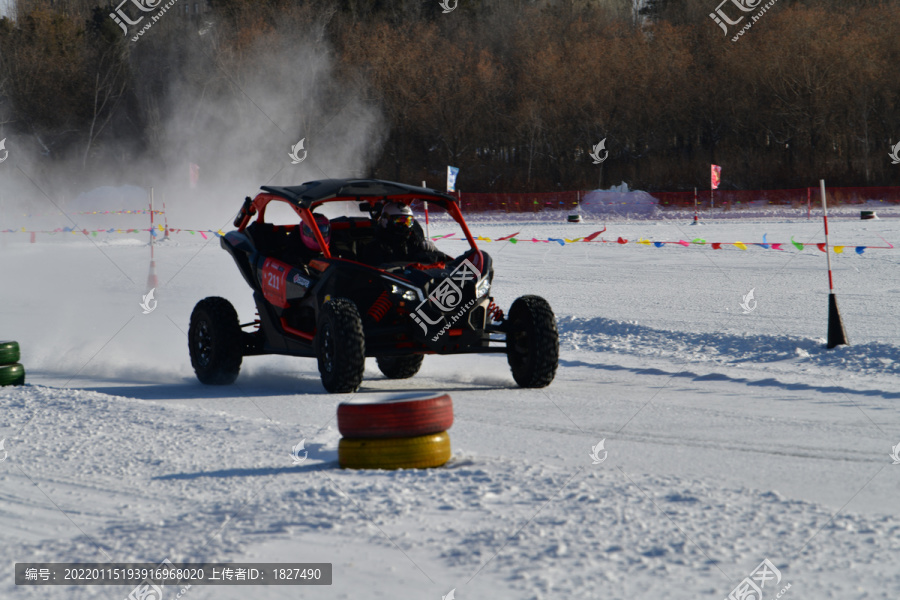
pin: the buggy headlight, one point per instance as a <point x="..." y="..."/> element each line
<point x="483" y="287"/>
<point x="403" y="293"/>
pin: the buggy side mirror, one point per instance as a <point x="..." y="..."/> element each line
<point x="246" y="209"/>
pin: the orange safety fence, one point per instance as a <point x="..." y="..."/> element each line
<point x="725" y="199"/>
<point x="737" y="199"/>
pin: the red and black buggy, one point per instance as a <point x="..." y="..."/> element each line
<point x="336" y="307"/>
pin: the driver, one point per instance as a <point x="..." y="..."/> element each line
<point x="399" y="238"/>
<point x="311" y="247"/>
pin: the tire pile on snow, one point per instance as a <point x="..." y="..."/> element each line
<point x="11" y="372"/>
<point x="395" y="434"/>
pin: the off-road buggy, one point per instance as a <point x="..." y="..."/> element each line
<point x="337" y="308"/>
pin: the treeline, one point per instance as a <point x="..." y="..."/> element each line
<point x="514" y="92"/>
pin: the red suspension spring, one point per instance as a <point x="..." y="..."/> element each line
<point x="495" y="312"/>
<point x="380" y="307"/>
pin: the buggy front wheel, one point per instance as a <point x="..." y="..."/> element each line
<point x="532" y="342"/>
<point x="340" y="346"/>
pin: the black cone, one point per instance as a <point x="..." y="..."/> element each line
<point x="836" y="334"/>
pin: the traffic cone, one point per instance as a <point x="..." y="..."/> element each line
<point x="152" y="280"/>
<point x="837" y="336"/>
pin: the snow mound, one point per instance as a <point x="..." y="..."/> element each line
<point x="606" y="335"/>
<point x="620" y="202"/>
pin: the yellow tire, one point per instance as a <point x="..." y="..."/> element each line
<point x="420" y="452"/>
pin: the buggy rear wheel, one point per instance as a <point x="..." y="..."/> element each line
<point x="340" y="346"/>
<point x="400" y="367"/>
<point x="532" y="342"/>
<point x="214" y="341"/>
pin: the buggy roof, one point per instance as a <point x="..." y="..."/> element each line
<point x="316" y="191"/>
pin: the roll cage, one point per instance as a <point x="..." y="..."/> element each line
<point x="304" y="199"/>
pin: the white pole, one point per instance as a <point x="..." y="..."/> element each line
<point x="837" y="336"/>
<point x="151" y="224"/>
<point x="825" y="217"/>
<point x="696" y="214"/>
<point x="427" y="236"/>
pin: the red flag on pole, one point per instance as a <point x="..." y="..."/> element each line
<point x="716" y="178"/>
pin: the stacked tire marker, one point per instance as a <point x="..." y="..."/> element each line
<point x="11" y="372"/>
<point x="395" y="434"/>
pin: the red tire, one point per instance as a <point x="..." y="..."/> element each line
<point x="395" y="418"/>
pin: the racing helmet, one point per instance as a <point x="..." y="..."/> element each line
<point x="309" y="238"/>
<point x="396" y="218"/>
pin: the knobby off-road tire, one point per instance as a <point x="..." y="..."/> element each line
<point x="214" y="341"/>
<point x="532" y="342"/>
<point x="340" y="346"/>
<point x="395" y="418"/>
<point x="13" y="374"/>
<point x="400" y="367"/>
<point x="9" y="353"/>
<point x="419" y="452"/>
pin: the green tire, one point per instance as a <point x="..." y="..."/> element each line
<point x="13" y="374"/>
<point x="9" y="353"/>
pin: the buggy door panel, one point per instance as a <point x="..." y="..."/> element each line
<point x="274" y="282"/>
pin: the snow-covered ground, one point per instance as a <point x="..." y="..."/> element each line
<point x="731" y="437"/>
